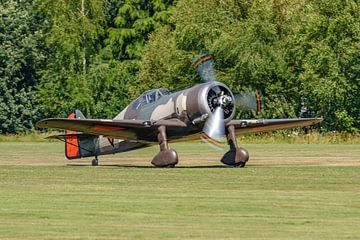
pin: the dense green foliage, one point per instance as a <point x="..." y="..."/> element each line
<point x="96" y="55"/>
<point x="295" y="51"/>
<point x="21" y="56"/>
<point x="75" y="31"/>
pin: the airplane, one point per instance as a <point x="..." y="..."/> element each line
<point x="158" y="117"/>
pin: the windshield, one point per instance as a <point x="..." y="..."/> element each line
<point x="149" y="97"/>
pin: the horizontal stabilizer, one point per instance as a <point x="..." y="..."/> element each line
<point x="77" y="145"/>
<point x="69" y="135"/>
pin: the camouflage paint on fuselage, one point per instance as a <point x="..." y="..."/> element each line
<point x="100" y="145"/>
<point x="162" y="108"/>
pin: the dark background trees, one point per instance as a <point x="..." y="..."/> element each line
<point x="22" y="54"/>
<point x="96" y="55"/>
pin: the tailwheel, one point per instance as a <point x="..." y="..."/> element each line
<point x="95" y="162"/>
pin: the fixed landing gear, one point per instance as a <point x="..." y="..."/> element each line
<point x="236" y="156"/>
<point x="95" y="162"/>
<point x="166" y="157"/>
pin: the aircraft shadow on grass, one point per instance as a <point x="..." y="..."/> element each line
<point x="142" y="166"/>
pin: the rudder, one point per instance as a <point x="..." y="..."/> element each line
<point x="72" y="143"/>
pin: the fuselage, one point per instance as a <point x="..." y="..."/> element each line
<point x="192" y="106"/>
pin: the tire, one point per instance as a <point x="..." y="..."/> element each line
<point x="170" y="166"/>
<point x="94" y="162"/>
<point x="242" y="164"/>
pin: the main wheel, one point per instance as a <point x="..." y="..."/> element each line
<point x="170" y="166"/>
<point x="95" y="162"/>
<point x="242" y="164"/>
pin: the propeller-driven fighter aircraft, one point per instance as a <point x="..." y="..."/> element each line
<point x="158" y="117"/>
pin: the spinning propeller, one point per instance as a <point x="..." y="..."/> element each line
<point x="221" y="102"/>
<point x="250" y="100"/>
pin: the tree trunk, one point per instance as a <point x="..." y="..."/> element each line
<point x="83" y="38"/>
<point x="83" y="14"/>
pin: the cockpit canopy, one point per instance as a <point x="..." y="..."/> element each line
<point x="150" y="96"/>
<point x="154" y="95"/>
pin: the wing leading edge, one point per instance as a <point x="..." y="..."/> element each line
<point x="264" y="125"/>
<point x="124" y="129"/>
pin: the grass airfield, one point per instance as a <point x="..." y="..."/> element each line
<point x="287" y="191"/>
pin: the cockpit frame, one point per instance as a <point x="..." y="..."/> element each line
<point x="149" y="97"/>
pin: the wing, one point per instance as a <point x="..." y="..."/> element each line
<point x="264" y="125"/>
<point x="137" y="130"/>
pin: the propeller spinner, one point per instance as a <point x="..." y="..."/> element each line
<point x="220" y="101"/>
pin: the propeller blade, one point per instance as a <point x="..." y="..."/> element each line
<point x="206" y="68"/>
<point x="249" y="100"/>
<point x="214" y="129"/>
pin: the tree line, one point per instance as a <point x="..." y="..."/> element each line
<point x="97" y="55"/>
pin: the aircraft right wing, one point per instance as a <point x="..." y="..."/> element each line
<point x="264" y="125"/>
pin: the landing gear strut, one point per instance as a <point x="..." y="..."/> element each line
<point x="236" y="156"/>
<point x="95" y="162"/>
<point x="166" y="157"/>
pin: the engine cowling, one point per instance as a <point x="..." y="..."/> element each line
<point x="203" y="99"/>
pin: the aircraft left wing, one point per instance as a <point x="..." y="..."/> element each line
<point x="264" y="125"/>
<point x="138" y="130"/>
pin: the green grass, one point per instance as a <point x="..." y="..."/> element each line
<point x="278" y="137"/>
<point x="288" y="191"/>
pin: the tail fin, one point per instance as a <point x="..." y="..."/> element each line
<point x="72" y="142"/>
<point x="76" y="114"/>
